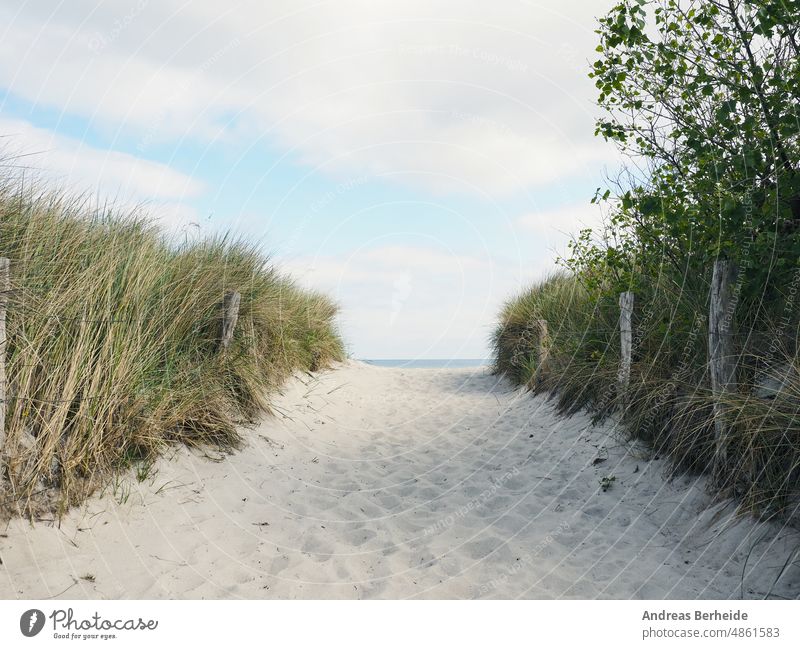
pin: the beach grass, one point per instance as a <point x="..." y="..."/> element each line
<point x="113" y="350"/>
<point x="669" y="404"/>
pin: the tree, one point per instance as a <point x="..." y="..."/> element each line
<point x="703" y="97"/>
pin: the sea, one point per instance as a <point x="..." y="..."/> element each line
<point x="428" y="363"/>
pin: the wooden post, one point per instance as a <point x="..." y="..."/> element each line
<point x="5" y="287"/>
<point x="542" y="351"/>
<point x="230" y="314"/>
<point x="722" y="360"/>
<point x="626" y="343"/>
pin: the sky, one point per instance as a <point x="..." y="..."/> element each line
<point x="420" y="161"/>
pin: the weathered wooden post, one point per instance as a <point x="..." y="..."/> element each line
<point x="5" y="287"/>
<point x="230" y="315"/>
<point x="542" y="351"/>
<point x="626" y="343"/>
<point x="722" y="359"/>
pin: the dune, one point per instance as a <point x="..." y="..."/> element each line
<point x="371" y="482"/>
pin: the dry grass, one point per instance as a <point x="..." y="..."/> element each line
<point x="670" y="403"/>
<point x="112" y="350"/>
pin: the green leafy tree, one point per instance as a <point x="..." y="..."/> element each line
<point x="703" y="97"/>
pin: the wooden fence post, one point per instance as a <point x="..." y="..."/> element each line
<point x="626" y="343"/>
<point x="542" y="351"/>
<point x="230" y="314"/>
<point x="5" y="287"/>
<point x="722" y="359"/>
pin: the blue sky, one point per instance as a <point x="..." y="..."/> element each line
<point x="419" y="161"/>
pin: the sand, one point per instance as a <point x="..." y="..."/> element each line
<point x="404" y="483"/>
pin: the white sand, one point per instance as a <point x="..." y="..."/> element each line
<point x="397" y="483"/>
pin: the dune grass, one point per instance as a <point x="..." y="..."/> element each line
<point x="699" y="184"/>
<point x="669" y="404"/>
<point x="112" y="343"/>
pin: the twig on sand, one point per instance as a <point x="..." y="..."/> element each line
<point x="338" y="387"/>
<point x="177" y="563"/>
<point x="164" y="487"/>
<point x="744" y="567"/>
<point x="74" y="582"/>
<point x="271" y="442"/>
<point x="68" y="539"/>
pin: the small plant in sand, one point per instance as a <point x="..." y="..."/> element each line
<point x="606" y="482"/>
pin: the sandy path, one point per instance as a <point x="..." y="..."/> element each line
<point x="400" y="483"/>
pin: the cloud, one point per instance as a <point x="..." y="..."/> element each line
<point x="175" y="218"/>
<point x="81" y="166"/>
<point x="449" y="96"/>
<point x="124" y="180"/>
<point x="487" y="99"/>
<point x="415" y="301"/>
<point x="433" y="261"/>
<point x="559" y="225"/>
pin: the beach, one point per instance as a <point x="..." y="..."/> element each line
<point x="370" y="482"/>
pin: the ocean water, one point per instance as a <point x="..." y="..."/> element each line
<point x="429" y="363"/>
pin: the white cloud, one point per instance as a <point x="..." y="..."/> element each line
<point x="81" y="166"/>
<point x="122" y="179"/>
<point x="433" y="261"/>
<point x="556" y="226"/>
<point x="414" y="301"/>
<point x="175" y="218"/>
<point x="453" y="95"/>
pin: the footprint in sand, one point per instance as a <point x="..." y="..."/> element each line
<point x="320" y="549"/>
<point x="278" y="565"/>
<point x="358" y="538"/>
<point x="461" y="537"/>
